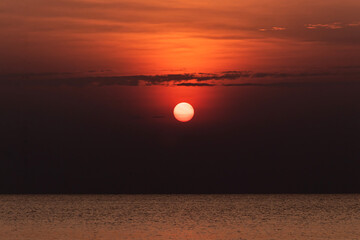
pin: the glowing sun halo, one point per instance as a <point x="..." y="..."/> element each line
<point x="183" y="112"/>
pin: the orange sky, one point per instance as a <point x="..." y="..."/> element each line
<point x="161" y="37"/>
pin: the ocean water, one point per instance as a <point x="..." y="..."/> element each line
<point x="150" y="217"/>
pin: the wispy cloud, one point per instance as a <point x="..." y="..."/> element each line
<point x="272" y="29"/>
<point x="354" y="24"/>
<point x="334" y="25"/>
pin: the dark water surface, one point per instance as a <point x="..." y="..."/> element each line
<point x="230" y="217"/>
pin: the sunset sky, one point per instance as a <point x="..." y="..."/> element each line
<point x="162" y="37"/>
<point x="88" y="87"/>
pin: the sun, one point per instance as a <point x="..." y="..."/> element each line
<point x="183" y="112"/>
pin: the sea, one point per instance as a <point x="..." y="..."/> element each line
<point x="179" y="217"/>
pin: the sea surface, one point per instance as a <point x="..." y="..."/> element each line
<point x="150" y="217"/>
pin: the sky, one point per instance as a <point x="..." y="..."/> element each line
<point x="157" y="37"/>
<point x="87" y="90"/>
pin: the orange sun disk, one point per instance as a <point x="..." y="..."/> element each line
<point x="183" y="112"/>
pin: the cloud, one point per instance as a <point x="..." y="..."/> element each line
<point x="278" y="28"/>
<point x="295" y="84"/>
<point x="272" y="29"/>
<point x="329" y="26"/>
<point x="355" y="24"/>
<point x="226" y="37"/>
<point x="335" y="25"/>
<point x="227" y="78"/>
<point x="196" y="84"/>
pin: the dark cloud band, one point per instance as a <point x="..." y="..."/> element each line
<point x="186" y="79"/>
